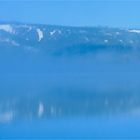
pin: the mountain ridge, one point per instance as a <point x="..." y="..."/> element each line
<point x="59" y="39"/>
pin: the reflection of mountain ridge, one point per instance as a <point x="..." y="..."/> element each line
<point x="59" y="104"/>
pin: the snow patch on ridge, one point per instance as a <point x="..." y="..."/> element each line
<point x="29" y="28"/>
<point x="12" y="42"/>
<point x="40" y="34"/>
<point x="53" y="32"/>
<point x="134" y="31"/>
<point x="7" y="28"/>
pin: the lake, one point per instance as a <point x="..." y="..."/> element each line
<point x="105" y="104"/>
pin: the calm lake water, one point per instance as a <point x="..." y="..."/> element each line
<point x="83" y="102"/>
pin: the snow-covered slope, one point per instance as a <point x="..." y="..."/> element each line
<point x="59" y="39"/>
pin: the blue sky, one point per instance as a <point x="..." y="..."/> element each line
<point x="75" y="13"/>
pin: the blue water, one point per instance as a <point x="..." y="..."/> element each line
<point x="72" y="108"/>
<point x="77" y="127"/>
<point x="75" y="100"/>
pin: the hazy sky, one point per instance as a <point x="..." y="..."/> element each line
<point x="78" y="13"/>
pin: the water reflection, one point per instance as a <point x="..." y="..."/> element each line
<point x="58" y="103"/>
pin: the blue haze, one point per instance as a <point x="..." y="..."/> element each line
<point x="75" y="83"/>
